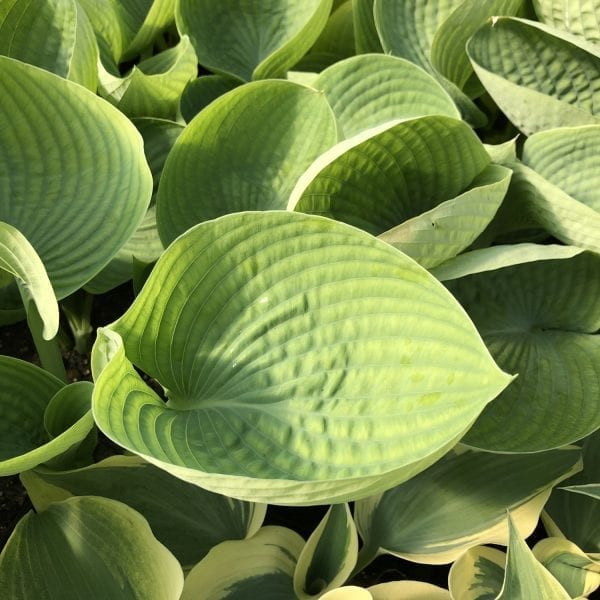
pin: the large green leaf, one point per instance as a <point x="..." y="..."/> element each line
<point x="580" y="17"/>
<point x="243" y="152"/>
<point x="19" y="259"/>
<point x="188" y="520"/>
<point x="461" y="502"/>
<point x="478" y="574"/>
<point x="26" y="394"/>
<point x="87" y="547"/>
<point x="304" y="362"/>
<point x="443" y="232"/>
<point x="539" y="77"/>
<point x="154" y="86"/>
<point x="525" y="577"/>
<point x="365" y="32"/>
<point x="200" y="92"/>
<point x="371" y="89"/>
<point x="329" y="556"/>
<point x="73" y="178"/>
<point x="260" y="567"/>
<point x="144" y="245"/>
<point x="386" y="175"/>
<point x="55" y="35"/>
<point x="539" y="320"/>
<point x="252" y="40"/>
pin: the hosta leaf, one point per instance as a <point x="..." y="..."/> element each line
<point x="73" y="178"/>
<point x="199" y="93"/>
<point x="188" y="520"/>
<point x="386" y="175"/>
<point x="525" y="577"/>
<point x="256" y="40"/>
<point x="26" y="393"/>
<point x="455" y="504"/>
<point x="575" y="571"/>
<point x="478" y="574"/>
<point x="446" y="230"/>
<point x="539" y="320"/>
<point x="539" y="77"/>
<point x="144" y="245"/>
<point x="365" y="32"/>
<point x="580" y="17"/>
<point x="20" y="260"/>
<point x="243" y="152"/>
<point x="503" y="154"/>
<point x="154" y="86"/>
<point x="55" y="35"/>
<point x="329" y="556"/>
<point x="260" y="567"/>
<point x="408" y="590"/>
<point x="592" y="490"/>
<point x="298" y="357"/>
<point x="87" y="547"/>
<point x="372" y="89"/>
<point x="577" y="516"/>
<point x="348" y="592"/>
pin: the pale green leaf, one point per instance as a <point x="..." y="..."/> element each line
<point x="26" y="393"/>
<point x="73" y="178"/>
<point x="154" y="86"/>
<point x="576" y="572"/>
<point x="478" y="574"/>
<point x="188" y="520"/>
<point x="446" y="230"/>
<point x="498" y="257"/>
<point x="20" y="260"/>
<point x="408" y="590"/>
<point x="54" y="35"/>
<point x="260" y="567"/>
<point x="87" y="547"/>
<point x="540" y="320"/>
<point x="579" y="17"/>
<point x="243" y="152"/>
<point x="327" y="559"/>
<point x="525" y="577"/>
<point x="252" y="40"/>
<point x="504" y="153"/>
<point x="457" y="503"/>
<point x="592" y="490"/>
<point x="371" y="89"/>
<point x="297" y="356"/>
<point x="348" y="592"/>
<point x="365" y="32"/>
<point x="539" y="77"/>
<point x="199" y="93"/>
<point x="386" y="175"/>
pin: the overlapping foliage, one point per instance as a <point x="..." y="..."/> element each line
<point x="364" y="237"/>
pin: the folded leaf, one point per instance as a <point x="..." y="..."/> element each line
<point x="478" y="573"/>
<point x="365" y="32"/>
<point x="304" y="362"/>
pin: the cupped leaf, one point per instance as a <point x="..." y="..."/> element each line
<point x="365" y="32"/>
<point x="477" y="574"/>
<point x="372" y="89"/>
<point x="539" y="77"/>
<point x="457" y="503"/>
<point x="54" y="35"/>
<point x="525" y="577"/>
<point x="199" y="93"/>
<point x="257" y="40"/>
<point x="188" y="520"/>
<point x="144" y="245"/>
<point x="73" y="178"/>
<point x="87" y="547"/>
<point x="243" y="152"/>
<point x="443" y="232"/>
<point x="329" y="556"/>
<point x="27" y="393"/>
<point x="19" y="259"/>
<point x="408" y="590"/>
<point x="386" y="175"/>
<point x="576" y="572"/>
<point x="539" y="320"/>
<point x="304" y="362"/>
<point x="260" y="567"/>
<point x="579" y="17"/>
<point x="154" y="86"/>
